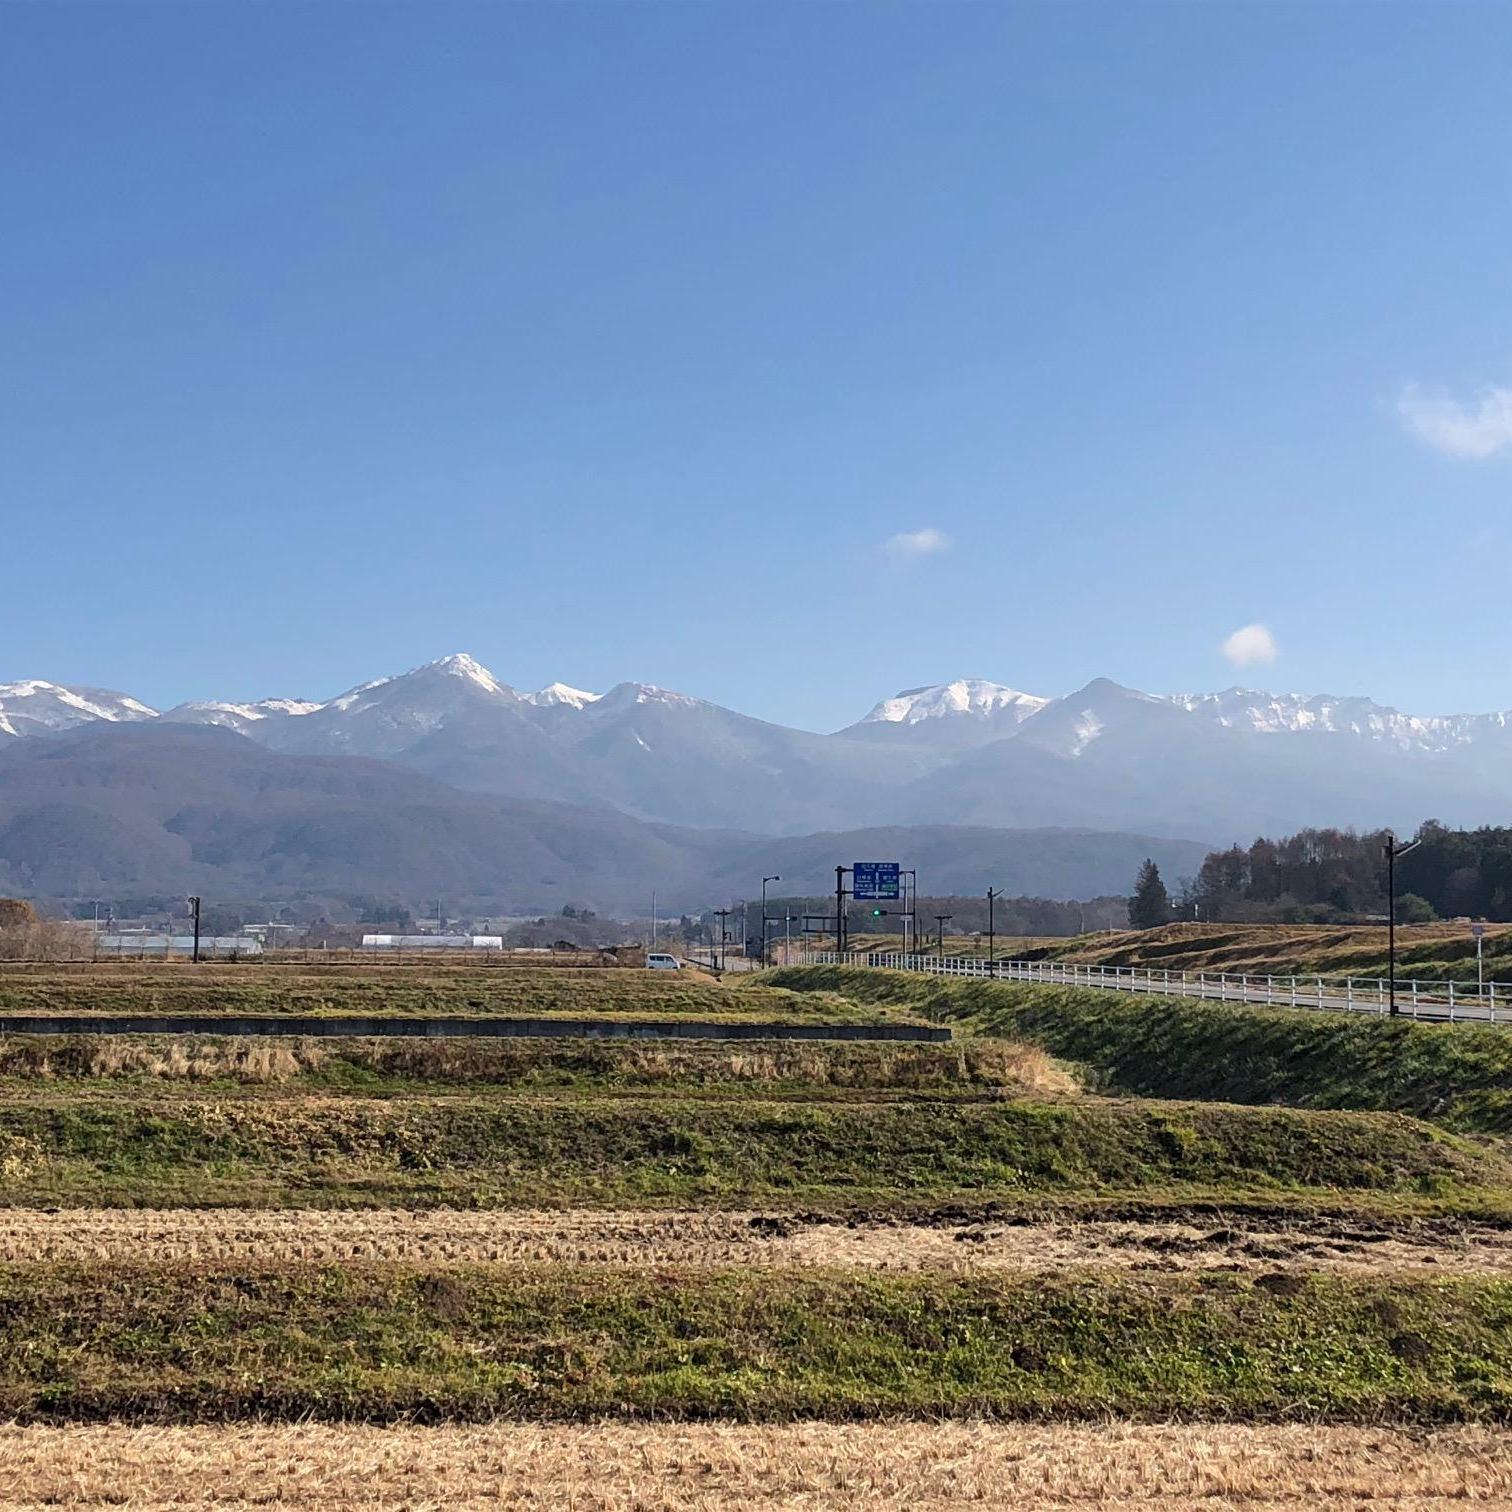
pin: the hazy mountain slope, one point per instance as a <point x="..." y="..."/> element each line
<point x="1112" y="758"/>
<point x="1049" y="863"/>
<point x="663" y="755"/>
<point x="173" y="808"/>
<point x="112" y="810"/>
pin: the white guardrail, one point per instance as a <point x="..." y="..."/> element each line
<point x="1452" y="1002"/>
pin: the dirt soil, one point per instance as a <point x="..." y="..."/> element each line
<point x="1448" y="1246"/>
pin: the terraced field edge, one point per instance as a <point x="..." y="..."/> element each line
<point x="385" y="1343"/>
<point x="1152" y="1046"/>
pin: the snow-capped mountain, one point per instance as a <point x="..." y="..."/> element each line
<point x="1212" y="766"/>
<point x="238" y="716"/>
<point x="558" y="695"/>
<point x="970" y="696"/>
<point x="33" y="707"/>
<point x="947" y="716"/>
<point x="1324" y="713"/>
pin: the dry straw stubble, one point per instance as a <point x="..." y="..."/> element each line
<point x="721" y="1468"/>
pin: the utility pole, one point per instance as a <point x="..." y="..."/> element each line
<point x="194" y="905"/>
<point x="840" y="872"/>
<point x="720" y="953"/>
<point x="1393" y="850"/>
<point x="653" y="918"/>
<point x="764" y="952"/>
<point x="992" y="897"/>
<point x="942" y="920"/>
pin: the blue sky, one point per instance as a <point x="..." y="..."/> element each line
<point x="783" y="354"/>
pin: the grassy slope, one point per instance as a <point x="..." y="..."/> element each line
<point x="402" y="991"/>
<point x="1439" y="951"/>
<point x="1460" y="1076"/>
<point x="531" y="1151"/>
<point x="381" y="1342"/>
<point x="99" y="1064"/>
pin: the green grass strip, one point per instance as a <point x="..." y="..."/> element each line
<point x="511" y="1151"/>
<point x="382" y="1342"/>
<point x="1457" y="1075"/>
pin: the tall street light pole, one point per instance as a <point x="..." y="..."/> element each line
<point x="764" y="951"/>
<point x="1393" y="850"/>
<point x="942" y="920"/>
<point x="992" y="897"/>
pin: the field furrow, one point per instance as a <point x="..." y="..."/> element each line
<point x="717" y="1239"/>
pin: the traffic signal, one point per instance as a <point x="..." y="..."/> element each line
<point x="878" y="913"/>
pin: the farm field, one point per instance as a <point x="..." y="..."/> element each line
<point x="1063" y="1258"/>
<point x="613" y="1467"/>
<point x="251" y="988"/>
<point x="1254" y="1241"/>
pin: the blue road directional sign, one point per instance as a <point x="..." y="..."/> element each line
<point x="875" y="879"/>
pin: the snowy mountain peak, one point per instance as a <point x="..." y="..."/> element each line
<point x="460" y="664"/>
<point x="629" y="693"/>
<point x="1328" y="714"/>
<point x="33" y="706"/>
<point x="559" y="694"/>
<point x="236" y="716"/>
<point x="968" y="695"/>
<point x="415" y="683"/>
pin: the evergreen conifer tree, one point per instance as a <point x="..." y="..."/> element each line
<point x="1151" y="904"/>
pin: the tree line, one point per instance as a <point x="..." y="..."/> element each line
<point x="1333" y="876"/>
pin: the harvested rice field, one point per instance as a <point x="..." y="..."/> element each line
<point x="341" y="1272"/>
<point x="713" y="1239"/>
<point x="175" y="988"/>
<point x="609" y="1467"/>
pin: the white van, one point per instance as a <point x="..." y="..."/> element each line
<point x="663" y="963"/>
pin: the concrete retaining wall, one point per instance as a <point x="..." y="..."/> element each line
<point x="455" y="1028"/>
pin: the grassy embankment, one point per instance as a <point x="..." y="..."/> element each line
<point x="252" y="989"/>
<point x="173" y="1343"/>
<point x="1457" y="1075"/>
<point x="47" y="1065"/>
<point x="575" y="1149"/>
<point x="1436" y="952"/>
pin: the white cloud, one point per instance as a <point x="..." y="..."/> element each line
<point x="909" y="544"/>
<point x="1250" y="644"/>
<point x="1474" y="430"/>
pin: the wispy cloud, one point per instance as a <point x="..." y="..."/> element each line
<point x="1474" y="430"/>
<point x="910" y="544"/>
<point x="1250" y="644"/>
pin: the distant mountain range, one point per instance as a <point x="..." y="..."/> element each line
<point x="148" y="806"/>
<point x="1213" y="767"/>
